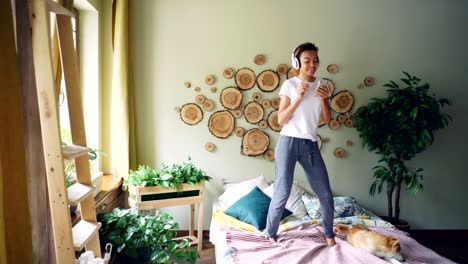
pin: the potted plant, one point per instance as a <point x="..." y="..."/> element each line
<point x="144" y="238"/>
<point x="397" y="128"/>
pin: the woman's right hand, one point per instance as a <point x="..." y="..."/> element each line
<point x="303" y="88"/>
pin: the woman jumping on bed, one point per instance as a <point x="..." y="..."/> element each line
<point x="302" y="104"/>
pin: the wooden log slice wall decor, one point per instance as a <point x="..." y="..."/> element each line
<point x="255" y="142"/>
<point x="330" y="86"/>
<point x="200" y="99"/>
<point x="197" y="89"/>
<point x="239" y="131"/>
<point x="253" y="112"/>
<point x="187" y="84"/>
<point x="349" y="143"/>
<point x="228" y="73"/>
<point x="334" y="125"/>
<point x="231" y="98"/>
<point x="321" y="122"/>
<point x="245" y="79"/>
<point x="342" y="102"/>
<point x="273" y="121"/>
<point x="292" y="72"/>
<point x="319" y="142"/>
<point x="275" y="102"/>
<point x="208" y="105"/>
<point x="210" y="79"/>
<point x="268" y="81"/>
<point x="213" y="89"/>
<point x="369" y="81"/>
<point x="221" y="124"/>
<point x="259" y="59"/>
<point x="177" y="109"/>
<point x="256" y="97"/>
<point x="269" y="155"/>
<point x="237" y="113"/>
<point x="349" y="122"/>
<point x="282" y="69"/>
<point x="191" y="114"/>
<point x="332" y="68"/>
<point x="326" y="140"/>
<point x="341" y="118"/>
<point x="263" y="124"/>
<point x="209" y="146"/>
<point x="339" y="152"/>
<point x="266" y="103"/>
<point x="360" y="86"/>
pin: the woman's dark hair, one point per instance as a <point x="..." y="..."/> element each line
<point x="303" y="47"/>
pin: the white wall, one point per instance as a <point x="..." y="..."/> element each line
<point x="178" y="41"/>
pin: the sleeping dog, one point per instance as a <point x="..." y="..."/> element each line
<point x="380" y="245"/>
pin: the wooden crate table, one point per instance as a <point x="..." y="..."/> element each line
<point x="146" y="198"/>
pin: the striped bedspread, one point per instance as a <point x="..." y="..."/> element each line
<point x="306" y="244"/>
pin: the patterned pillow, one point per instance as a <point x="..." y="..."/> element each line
<point x="344" y="206"/>
<point x="294" y="203"/>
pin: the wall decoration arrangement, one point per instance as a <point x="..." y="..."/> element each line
<point x="239" y="102"/>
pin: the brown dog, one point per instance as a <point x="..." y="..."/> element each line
<point x="380" y="245"/>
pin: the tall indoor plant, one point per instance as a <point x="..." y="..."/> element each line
<point x="397" y="128"/>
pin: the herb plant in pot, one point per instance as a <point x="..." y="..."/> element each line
<point x="144" y="238"/>
<point x="397" y="128"/>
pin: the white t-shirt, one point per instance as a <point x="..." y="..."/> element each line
<point x="304" y="120"/>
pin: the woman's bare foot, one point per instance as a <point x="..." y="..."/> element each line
<point x="331" y="241"/>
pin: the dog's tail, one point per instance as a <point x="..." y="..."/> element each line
<point x="344" y="229"/>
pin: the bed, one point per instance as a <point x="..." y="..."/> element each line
<point x="300" y="238"/>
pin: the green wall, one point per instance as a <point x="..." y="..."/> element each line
<point x="183" y="40"/>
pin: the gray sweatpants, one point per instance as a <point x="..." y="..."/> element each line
<point x="290" y="150"/>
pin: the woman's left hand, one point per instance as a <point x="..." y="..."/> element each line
<point x="322" y="92"/>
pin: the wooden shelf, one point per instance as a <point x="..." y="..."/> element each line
<point x="77" y="192"/>
<point x="83" y="232"/>
<point x="73" y="151"/>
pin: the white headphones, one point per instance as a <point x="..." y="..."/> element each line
<point x="295" y="63"/>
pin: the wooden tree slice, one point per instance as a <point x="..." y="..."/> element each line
<point x="269" y="155"/>
<point x="209" y="146"/>
<point x="237" y="113"/>
<point x="334" y="125"/>
<point x="331" y="87"/>
<point x="332" y="68"/>
<point x="341" y="118"/>
<point x="200" y="99"/>
<point x="369" y="81"/>
<point x="349" y="122"/>
<point x="191" y="114"/>
<point x="326" y="140"/>
<point x="319" y="142"/>
<point x="268" y="81"/>
<point x="210" y="79"/>
<point x="342" y="102"/>
<point x="263" y="124"/>
<point x="197" y="89"/>
<point x="351" y="113"/>
<point x="321" y="122"/>
<point x="259" y="59"/>
<point x="282" y="69"/>
<point x="253" y="112"/>
<point x="187" y="84"/>
<point x="231" y="98"/>
<point x="208" y="105"/>
<point x="213" y="89"/>
<point x="239" y="131"/>
<point x="221" y="124"/>
<point x="228" y="73"/>
<point x="266" y="103"/>
<point x="349" y="143"/>
<point x="177" y="109"/>
<point x="255" y="142"/>
<point x="360" y="86"/>
<point x="339" y="152"/>
<point x="275" y="102"/>
<point x="292" y="72"/>
<point x="245" y="79"/>
<point x="241" y="107"/>
<point x="273" y="121"/>
<point x="256" y="97"/>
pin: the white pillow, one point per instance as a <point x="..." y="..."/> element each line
<point x="235" y="191"/>
<point x="294" y="203"/>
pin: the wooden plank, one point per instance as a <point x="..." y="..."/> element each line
<point x="78" y="192"/>
<point x="83" y="232"/>
<point x="73" y="151"/>
<point x="200" y="227"/>
<point x="58" y="9"/>
<point x="167" y="203"/>
<point x="61" y="224"/>
<point x="159" y="189"/>
<point x="15" y="240"/>
<point x="75" y="110"/>
<point x="43" y="244"/>
<point x="192" y="219"/>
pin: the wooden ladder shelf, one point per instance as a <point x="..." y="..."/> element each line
<point x="67" y="240"/>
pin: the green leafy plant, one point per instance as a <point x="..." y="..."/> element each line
<point x="168" y="176"/>
<point x="397" y="128"/>
<point x="138" y="234"/>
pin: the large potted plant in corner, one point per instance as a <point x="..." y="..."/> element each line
<point x="397" y="128"/>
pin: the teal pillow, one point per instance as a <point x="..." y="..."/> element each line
<point x="253" y="209"/>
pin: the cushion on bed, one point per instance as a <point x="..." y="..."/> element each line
<point x="253" y="209"/>
<point x="234" y="191"/>
<point x="344" y="206"/>
<point x="294" y="203"/>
